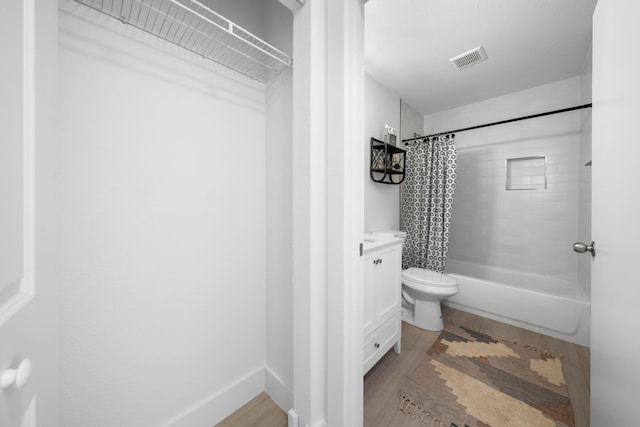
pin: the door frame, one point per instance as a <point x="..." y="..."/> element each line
<point x="328" y="201"/>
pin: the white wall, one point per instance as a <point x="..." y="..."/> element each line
<point x="411" y="122"/>
<point x="267" y="19"/>
<point x="279" y="213"/>
<point x="278" y="22"/>
<point x="249" y="14"/>
<point x="527" y="230"/>
<point x="162" y="186"/>
<point x="279" y="240"/>
<point x="381" y="201"/>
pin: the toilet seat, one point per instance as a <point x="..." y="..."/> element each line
<point x="421" y="277"/>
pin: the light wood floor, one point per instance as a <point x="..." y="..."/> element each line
<point x="383" y="381"/>
<point x="259" y="411"/>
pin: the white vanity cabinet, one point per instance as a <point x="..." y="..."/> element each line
<point x="382" y="301"/>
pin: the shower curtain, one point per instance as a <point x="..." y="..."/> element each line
<point x="427" y="201"/>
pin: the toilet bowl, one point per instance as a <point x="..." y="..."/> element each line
<point x="422" y="292"/>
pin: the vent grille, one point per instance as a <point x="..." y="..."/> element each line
<point x="469" y="58"/>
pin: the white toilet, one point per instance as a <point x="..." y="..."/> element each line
<point x="422" y="292"/>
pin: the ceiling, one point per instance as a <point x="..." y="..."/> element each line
<point x="529" y="43"/>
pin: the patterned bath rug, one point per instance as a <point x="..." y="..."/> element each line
<point x="470" y="379"/>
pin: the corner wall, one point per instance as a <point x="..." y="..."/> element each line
<point x="279" y="241"/>
<point x="411" y="122"/>
<point x="381" y="201"/>
<point x="162" y="191"/>
<point x="279" y="213"/>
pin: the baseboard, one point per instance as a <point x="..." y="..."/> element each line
<point x="213" y="409"/>
<point x="279" y="392"/>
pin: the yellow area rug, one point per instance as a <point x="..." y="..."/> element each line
<point x="470" y="379"/>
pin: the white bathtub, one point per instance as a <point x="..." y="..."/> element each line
<point x="550" y="306"/>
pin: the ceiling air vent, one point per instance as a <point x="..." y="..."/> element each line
<point x="469" y="58"/>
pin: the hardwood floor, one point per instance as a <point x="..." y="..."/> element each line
<point x="260" y="411"/>
<point x="383" y="381"/>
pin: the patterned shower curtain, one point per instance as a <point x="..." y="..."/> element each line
<point x="427" y="201"/>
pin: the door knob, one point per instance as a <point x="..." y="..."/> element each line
<point x="19" y="376"/>
<point x="582" y="248"/>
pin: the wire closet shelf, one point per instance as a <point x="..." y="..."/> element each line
<point x="195" y="27"/>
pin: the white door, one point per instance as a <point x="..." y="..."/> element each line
<point x="28" y="316"/>
<point x="615" y="348"/>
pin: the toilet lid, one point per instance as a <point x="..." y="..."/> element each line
<point x="428" y="277"/>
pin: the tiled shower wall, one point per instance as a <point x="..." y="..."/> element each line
<point x="525" y="230"/>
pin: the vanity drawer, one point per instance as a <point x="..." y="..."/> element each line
<point x="380" y="341"/>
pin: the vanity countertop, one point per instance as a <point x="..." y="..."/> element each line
<point x="374" y="241"/>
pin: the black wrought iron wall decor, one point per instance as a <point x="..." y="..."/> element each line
<point x="387" y="162"/>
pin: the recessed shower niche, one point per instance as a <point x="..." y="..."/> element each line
<point x="526" y="173"/>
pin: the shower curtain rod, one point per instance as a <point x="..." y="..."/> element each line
<point x="548" y="113"/>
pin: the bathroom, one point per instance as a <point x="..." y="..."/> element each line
<point x="498" y="234"/>
<point x="149" y="213"/>
<point x="493" y="228"/>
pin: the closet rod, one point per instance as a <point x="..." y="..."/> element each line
<point x="548" y="113"/>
